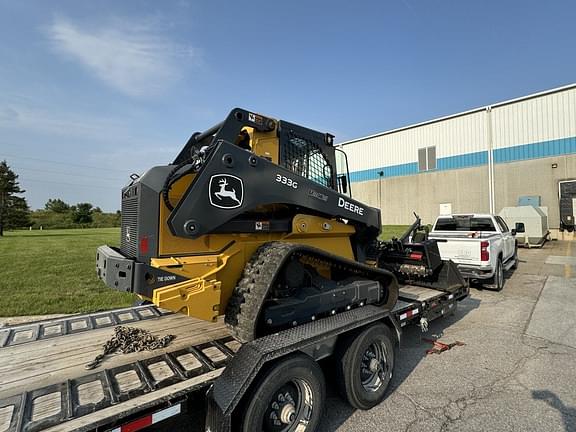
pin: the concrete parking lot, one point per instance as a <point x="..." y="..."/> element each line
<point x="517" y="371"/>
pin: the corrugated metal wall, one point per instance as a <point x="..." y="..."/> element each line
<point x="540" y="126"/>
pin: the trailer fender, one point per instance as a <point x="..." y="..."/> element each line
<point x="229" y="389"/>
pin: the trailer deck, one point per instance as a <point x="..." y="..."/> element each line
<point x="44" y="384"/>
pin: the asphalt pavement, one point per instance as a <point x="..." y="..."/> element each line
<point x="516" y="371"/>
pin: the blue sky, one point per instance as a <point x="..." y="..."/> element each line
<point x="93" y="91"/>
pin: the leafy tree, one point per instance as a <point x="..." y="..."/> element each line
<point x="14" y="211"/>
<point x="57" y="206"/>
<point x="82" y="213"/>
<point x="19" y="214"/>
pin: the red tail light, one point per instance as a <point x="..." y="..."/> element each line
<point x="416" y="256"/>
<point x="144" y="245"/>
<point x="484" y="252"/>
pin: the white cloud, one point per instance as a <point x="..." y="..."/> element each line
<point x="131" y="57"/>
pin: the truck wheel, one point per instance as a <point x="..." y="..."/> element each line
<point x="364" y="365"/>
<point x="288" y="397"/>
<point x="497" y="282"/>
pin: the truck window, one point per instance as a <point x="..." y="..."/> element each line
<point x="482" y="224"/>
<point x="502" y="224"/>
<point x="445" y="224"/>
<point x="464" y="223"/>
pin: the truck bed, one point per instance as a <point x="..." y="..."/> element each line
<point x="43" y="380"/>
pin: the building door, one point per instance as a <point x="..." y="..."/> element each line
<point x="567" y="199"/>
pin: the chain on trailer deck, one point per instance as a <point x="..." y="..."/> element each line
<point x="128" y="340"/>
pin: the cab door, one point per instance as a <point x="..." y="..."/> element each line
<point x="508" y="240"/>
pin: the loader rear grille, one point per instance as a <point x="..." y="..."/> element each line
<point x="129" y="233"/>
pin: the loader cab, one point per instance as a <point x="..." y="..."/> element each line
<point x="308" y="153"/>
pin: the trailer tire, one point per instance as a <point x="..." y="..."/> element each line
<point x="364" y="365"/>
<point x="301" y="378"/>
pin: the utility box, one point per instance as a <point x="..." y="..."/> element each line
<point x="535" y="222"/>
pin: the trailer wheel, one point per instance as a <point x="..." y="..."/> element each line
<point x="287" y="397"/>
<point x="364" y="365"/>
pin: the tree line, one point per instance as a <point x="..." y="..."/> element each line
<point x="16" y="214"/>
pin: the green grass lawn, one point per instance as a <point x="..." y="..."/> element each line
<point x="53" y="271"/>
<point x="389" y="231"/>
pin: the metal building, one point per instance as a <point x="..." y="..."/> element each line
<point x="477" y="161"/>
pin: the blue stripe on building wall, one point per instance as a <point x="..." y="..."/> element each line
<point x="391" y="171"/>
<point x="463" y="161"/>
<point x="537" y="150"/>
<point x="509" y="154"/>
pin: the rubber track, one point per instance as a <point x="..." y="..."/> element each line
<point x="260" y="273"/>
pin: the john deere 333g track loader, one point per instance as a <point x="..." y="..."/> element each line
<point x="253" y="221"/>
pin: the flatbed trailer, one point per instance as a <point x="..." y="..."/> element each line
<point x="44" y="384"/>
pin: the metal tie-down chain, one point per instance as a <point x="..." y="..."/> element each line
<point x="128" y="340"/>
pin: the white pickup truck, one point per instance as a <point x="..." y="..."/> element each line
<point x="481" y="245"/>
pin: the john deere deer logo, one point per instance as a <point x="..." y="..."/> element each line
<point x="226" y="191"/>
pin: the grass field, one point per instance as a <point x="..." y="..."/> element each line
<point x="389" y="231"/>
<point x="50" y="272"/>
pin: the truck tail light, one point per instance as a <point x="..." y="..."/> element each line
<point x="484" y="252"/>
